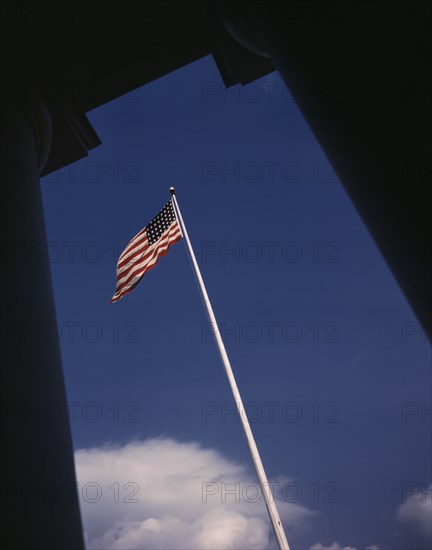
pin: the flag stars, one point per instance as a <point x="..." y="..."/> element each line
<point x="160" y="223"/>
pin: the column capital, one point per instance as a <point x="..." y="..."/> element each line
<point x="39" y="117"/>
<point x="33" y="107"/>
<point x="235" y="19"/>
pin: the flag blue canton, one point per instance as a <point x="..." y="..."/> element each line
<point x="160" y="223"/>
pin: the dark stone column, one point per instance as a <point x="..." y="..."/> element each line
<point x="361" y="76"/>
<point x="40" y="505"/>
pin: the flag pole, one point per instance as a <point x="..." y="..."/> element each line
<point x="265" y="487"/>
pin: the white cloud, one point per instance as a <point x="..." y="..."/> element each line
<point x="337" y="546"/>
<point x="417" y="511"/>
<point x="334" y="546"/>
<point x="185" y="497"/>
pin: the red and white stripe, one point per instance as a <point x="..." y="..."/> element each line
<point x="139" y="257"/>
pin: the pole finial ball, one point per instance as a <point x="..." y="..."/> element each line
<point x="172" y="190"/>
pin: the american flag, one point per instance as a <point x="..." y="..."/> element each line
<point x="144" y="250"/>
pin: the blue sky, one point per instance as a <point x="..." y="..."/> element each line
<point x="331" y="362"/>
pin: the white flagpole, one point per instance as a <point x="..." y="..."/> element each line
<point x="265" y="487"/>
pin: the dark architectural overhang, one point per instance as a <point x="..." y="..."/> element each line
<point x="80" y="55"/>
